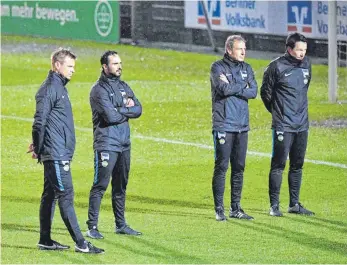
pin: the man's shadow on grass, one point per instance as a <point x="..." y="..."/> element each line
<point x="30" y="228"/>
<point x="318" y="221"/>
<point x="140" y="199"/>
<point x="159" y="252"/>
<point x="296" y="236"/>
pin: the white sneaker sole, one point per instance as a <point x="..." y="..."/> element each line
<point x="53" y="247"/>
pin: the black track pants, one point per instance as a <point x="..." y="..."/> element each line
<point x="295" y="145"/>
<point x="109" y="163"/>
<point x="58" y="185"/>
<point x="229" y="147"/>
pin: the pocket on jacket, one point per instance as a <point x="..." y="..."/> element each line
<point x="244" y="115"/>
<point x="224" y="109"/>
<point x="64" y="137"/>
<point x="67" y="140"/>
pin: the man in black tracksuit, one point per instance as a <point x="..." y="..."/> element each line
<point x="232" y="84"/>
<point x="113" y="103"/>
<point x="53" y="144"/>
<point x="284" y="93"/>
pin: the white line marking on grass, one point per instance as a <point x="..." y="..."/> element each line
<point x="16" y="118"/>
<point x="89" y="84"/>
<point x="203" y="146"/>
<point x="38" y="85"/>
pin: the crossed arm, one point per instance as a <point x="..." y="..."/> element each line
<point x="225" y="86"/>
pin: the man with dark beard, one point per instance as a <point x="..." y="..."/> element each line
<point x="113" y="103"/>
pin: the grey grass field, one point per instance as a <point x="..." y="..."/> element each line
<point x="169" y="196"/>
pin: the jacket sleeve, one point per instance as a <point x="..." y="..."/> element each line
<point x="222" y="88"/>
<point x="310" y="71"/>
<point x="44" y="104"/>
<point x="267" y="86"/>
<point x="134" y="111"/>
<point x="252" y="87"/>
<point x="105" y="108"/>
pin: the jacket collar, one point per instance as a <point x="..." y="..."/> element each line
<point x="58" y="77"/>
<point x="292" y="60"/>
<point x="108" y="78"/>
<point x="230" y="61"/>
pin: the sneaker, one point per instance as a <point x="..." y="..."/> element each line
<point x="298" y="208"/>
<point x="94" y="233"/>
<point x="87" y="247"/>
<point x="127" y="230"/>
<point x="239" y="214"/>
<point x="52" y="245"/>
<point x="275" y="210"/>
<point x="220" y="216"/>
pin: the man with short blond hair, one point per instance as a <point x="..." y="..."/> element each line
<point x="60" y="55"/>
<point x="53" y="135"/>
<point x="232" y="84"/>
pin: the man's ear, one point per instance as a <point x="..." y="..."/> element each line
<point x="104" y="67"/>
<point x="57" y="65"/>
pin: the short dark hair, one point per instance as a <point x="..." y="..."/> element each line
<point x="104" y="57"/>
<point x="294" y="38"/>
<point x="60" y="54"/>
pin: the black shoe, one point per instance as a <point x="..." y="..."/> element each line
<point x="239" y="214"/>
<point x="275" y="211"/>
<point x="298" y="208"/>
<point x="94" y="233"/>
<point x="51" y="245"/>
<point x="87" y="247"/>
<point x="220" y="216"/>
<point x="127" y="230"/>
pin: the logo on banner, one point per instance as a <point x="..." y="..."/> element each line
<point x="103" y="18"/>
<point x="300" y="16"/>
<point x="213" y="10"/>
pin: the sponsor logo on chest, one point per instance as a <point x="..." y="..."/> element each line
<point x="243" y="74"/>
<point x="306" y="75"/>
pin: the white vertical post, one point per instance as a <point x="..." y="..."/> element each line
<point x="132" y="21"/>
<point x="332" y="53"/>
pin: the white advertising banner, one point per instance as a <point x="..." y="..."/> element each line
<point x="311" y="19"/>
<point x="268" y="17"/>
<point x="245" y="16"/>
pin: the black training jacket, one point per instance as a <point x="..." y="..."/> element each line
<point x="53" y="129"/>
<point x="284" y="93"/>
<point x="230" y="100"/>
<point x="110" y="116"/>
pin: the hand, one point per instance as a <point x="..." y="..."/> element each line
<point x="224" y="78"/>
<point x="31" y="150"/>
<point x="130" y="103"/>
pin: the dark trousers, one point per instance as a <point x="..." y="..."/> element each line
<point x="293" y="144"/>
<point x="106" y="164"/>
<point x="229" y="147"/>
<point x="58" y="185"/>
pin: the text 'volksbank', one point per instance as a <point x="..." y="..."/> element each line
<point x="341" y="14"/>
<point x="37" y="12"/>
<point x="243" y="19"/>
